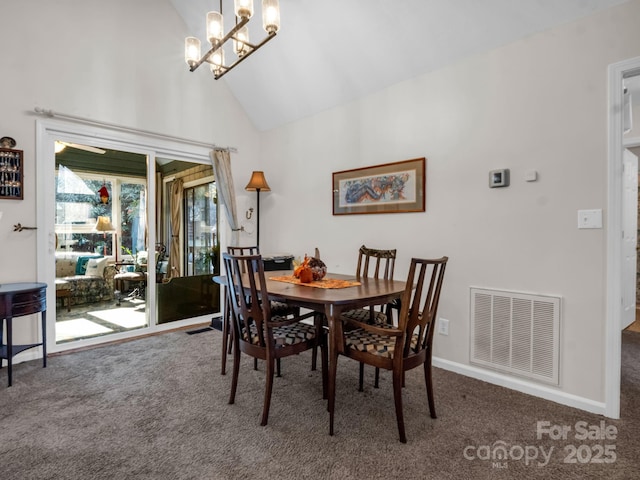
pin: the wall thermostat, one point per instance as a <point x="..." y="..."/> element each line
<point x="499" y="178"/>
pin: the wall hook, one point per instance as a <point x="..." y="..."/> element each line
<point x="249" y="213"/>
<point x="19" y="228"/>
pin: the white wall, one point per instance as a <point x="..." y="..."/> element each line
<point x="538" y="104"/>
<point x="117" y="61"/>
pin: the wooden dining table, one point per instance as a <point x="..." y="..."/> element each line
<point x="332" y="302"/>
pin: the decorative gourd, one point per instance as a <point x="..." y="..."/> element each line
<point x="306" y="274"/>
<point x="318" y="268"/>
<point x="314" y="265"/>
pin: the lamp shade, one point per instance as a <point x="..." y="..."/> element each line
<point x="104" y="225"/>
<point x="258" y="182"/>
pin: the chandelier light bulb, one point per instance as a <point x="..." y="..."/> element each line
<point x="240" y="42"/>
<point x="191" y="50"/>
<point x="270" y="16"/>
<point x="244" y="8"/>
<point x="215" y="27"/>
<point x="217" y="61"/>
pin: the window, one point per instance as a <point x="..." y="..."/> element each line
<point x="201" y="226"/>
<point x="81" y="201"/>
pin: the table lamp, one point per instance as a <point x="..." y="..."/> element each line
<point x="104" y="225"/>
<point x="258" y="183"/>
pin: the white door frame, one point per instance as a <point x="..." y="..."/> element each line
<point x="613" y="344"/>
<point x="49" y="130"/>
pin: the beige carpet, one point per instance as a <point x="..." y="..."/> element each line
<point x="156" y="408"/>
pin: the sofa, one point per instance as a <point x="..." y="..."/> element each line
<point x="84" y="278"/>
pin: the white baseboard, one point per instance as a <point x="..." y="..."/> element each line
<point x="521" y="385"/>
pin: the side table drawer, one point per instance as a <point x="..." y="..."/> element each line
<point x="30" y="302"/>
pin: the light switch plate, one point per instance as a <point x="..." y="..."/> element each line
<point x="590" y="218"/>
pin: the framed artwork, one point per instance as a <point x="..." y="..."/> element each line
<point x="389" y="188"/>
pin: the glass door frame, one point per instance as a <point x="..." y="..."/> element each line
<point x="153" y="146"/>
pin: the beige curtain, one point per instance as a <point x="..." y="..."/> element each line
<point x="221" y="161"/>
<point x="173" y="269"/>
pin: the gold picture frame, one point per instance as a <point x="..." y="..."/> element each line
<point x="397" y="187"/>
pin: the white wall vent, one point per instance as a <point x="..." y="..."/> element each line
<point x="516" y="333"/>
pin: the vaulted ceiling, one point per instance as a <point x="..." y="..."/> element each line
<point x="330" y="52"/>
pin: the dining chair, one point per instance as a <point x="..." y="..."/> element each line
<point x="374" y="263"/>
<point x="405" y="346"/>
<point x="259" y="333"/>
<point x="277" y="308"/>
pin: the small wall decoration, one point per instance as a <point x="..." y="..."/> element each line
<point x="388" y="188"/>
<point x="104" y="194"/>
<point x="11" y="173"/>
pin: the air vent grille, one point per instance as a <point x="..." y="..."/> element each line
<point x="516" y="333"/>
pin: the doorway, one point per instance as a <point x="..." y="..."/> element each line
<point x="100" y="230"/>
<point x="136" y="233"/>
<point x="617" y="73"/>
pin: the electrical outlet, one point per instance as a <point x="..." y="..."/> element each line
<point x="443" y="326"/>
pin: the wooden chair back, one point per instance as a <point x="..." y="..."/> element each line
<point x="376" y="263"/>
<point x="419" y="305"/>
<point x="226" y="327"/>
<point x="235" y="250"/>
<point x="245" y="289"/>
<point x="380" y="264"/>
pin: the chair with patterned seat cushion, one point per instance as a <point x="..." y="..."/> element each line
<point x="374" y="263"/>
<point x="277" y="308"/>
<point x="401" y="347"/>
<point x="260" y="334"/>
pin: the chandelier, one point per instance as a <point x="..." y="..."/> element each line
<point x="242" y="47"/>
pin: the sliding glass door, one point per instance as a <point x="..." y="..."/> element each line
<point x="101" y="241"/>
<point x="114" y="226"/>
<point x="190" y="224"/>
<point x="107" y="272"/>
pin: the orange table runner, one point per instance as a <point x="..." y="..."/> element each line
<point x="324" y="283"/>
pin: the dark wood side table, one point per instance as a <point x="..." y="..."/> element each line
<point x="17" y="300"/>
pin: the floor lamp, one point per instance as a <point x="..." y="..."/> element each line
<point x="257" y="183"/>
